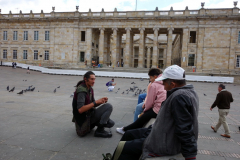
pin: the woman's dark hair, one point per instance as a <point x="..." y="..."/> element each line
<point x="87" y="76"/>
<point x="154" y="72"/>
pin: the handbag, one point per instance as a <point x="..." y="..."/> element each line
<point x="85" y="127"/>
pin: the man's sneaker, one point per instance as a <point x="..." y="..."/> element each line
<point x="102" y="133"/>
<point x="120" y="130"/>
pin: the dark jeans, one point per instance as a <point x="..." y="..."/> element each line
<point x="132" y="149"/>
<point x="141" y="121"/>
<point x="102" y="115"/>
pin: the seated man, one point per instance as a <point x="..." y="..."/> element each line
<point x="155" y="96"/>
<point x="84" y="105"/>
<point x="176" y="127"/>
<point x="111" y="85"/>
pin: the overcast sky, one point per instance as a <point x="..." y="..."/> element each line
<point x="96" y="5"/>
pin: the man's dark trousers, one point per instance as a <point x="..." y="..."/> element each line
<point x="134" y="142"/>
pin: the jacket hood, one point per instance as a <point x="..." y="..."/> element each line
<point x="160" y="82"/>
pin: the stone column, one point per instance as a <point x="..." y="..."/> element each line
<point x="128" y="48"/>
<point x="200" y="49"/>
<point x="101" y="45"/>
<point x="148" y="56"/>
<point x="185" y="48"/>
<point x="52" y="45"/>
<point x="155" y="47"/>
<point x="75" y="53"/>
<point x="106" y="47"/>
<point x="119" y="44"/>
<point x="165" y="57"/>
<point x="114" y="47"/>
<point x="141" y="48"/>
<point x="88" y="55"/>
<point x="233" y="43"/>
<point x="169" y="47"/>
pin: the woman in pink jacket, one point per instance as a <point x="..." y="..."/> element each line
<point x="156" y="95"/>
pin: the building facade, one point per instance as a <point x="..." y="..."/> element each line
<point x="205" y="39"/>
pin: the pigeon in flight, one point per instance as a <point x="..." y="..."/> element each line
<point x="54" y="90"/>
<point x="7" y="88"/>
<point x="12" y="89"/>
<point x="58" y="87"/>
<point x="20" y="92"/>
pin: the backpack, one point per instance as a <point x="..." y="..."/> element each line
<point x="107" y="83"/>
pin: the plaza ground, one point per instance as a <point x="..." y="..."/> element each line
<point x="37" y="125"/>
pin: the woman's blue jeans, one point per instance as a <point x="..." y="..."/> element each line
<point x="138" y="111"/>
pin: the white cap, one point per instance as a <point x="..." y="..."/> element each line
<point x="172" y="72"/>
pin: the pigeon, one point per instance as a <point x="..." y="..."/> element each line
<point x="58" y="87"/>
<point x="7" y="88"/>
<point x="133" y="83"/>
<point x="12" y="89"/>
<point x="127" y="90"/>
<point x="141" y="79"/>
<point x="38" y="91"/>
<point x="72" y="95"/>
<point x="122" y="92"/>
<point x="33" y="89"/>
<point x="54" y="90"/>
<point x="204" y="94"/>
<point x="25" y="90"/>
<point x="117" y="91"/>
<point x="20" y="92"/>
<point x="118" y="88"/>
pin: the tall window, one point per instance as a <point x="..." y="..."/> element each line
<point x="5" y="35"/>
<point x="35" y="54"/>
<point x="239" y="37"/>
<point x="82" y="56"/>
<point x="15" y="35"/>
<point x="82" y="35"/>
<point x="24" y="54"/>
<point x="14" y="54"/>
<point x="46" y="56"/>
<point x="46" y="35"/>
<point x="192" y="37"/>
<point x="4" y="54"/>
<point x="35" y="35"/>
<point x="25" y="36"/>
<point x="191" y="58"/>
<point x="238" y="62"/>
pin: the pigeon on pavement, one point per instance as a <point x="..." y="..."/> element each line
<point x="32" y="89"/>
<point x="54" y="90"/>
<point x="58" y="87"/>
<point x="204" y="94"/>
<point x="20" y="92"/>
<point x="133" y="83"/>
<point x="122" y="92"/>
<point x="7" y="88"/>
<point x="12" y="89"/>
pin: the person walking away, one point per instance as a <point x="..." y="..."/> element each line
<point x="84" y="106"/>
<point x="28" y="70"/>
<point x="223" y="100"/>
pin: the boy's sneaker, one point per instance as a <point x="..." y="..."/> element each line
<point x="120" y="130"/>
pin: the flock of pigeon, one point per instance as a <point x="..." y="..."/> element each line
<point x="134" y="89"/>
<point x="30" y="88"/>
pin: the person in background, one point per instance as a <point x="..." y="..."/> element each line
<point x="223" y="100"/>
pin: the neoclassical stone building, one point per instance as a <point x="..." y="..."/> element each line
<point x="205" y="38"/>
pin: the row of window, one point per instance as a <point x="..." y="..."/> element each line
<point x="25" y="54"/>
<point x="25" y="35"/>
